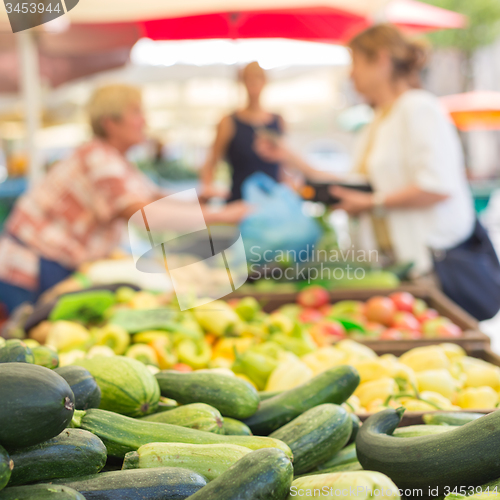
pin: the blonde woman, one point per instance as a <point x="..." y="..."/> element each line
<point x="78" y="212"/>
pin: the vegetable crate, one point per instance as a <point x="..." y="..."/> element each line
<point x="416" y="418"/>
<point x="472" y="338"/>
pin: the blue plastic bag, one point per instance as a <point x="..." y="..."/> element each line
<point x="277" y="222"/>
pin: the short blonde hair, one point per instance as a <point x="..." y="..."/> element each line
<point x="110" y="101"/>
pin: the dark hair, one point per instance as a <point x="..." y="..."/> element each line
<point x="408" y="57"/>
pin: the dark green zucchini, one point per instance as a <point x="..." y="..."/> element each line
<point x="45" y="356"/>
<point x="232" y="396"/>
<point x="6" y="465"/>
<point x="83" y="384"/>
<point x="450" y="417"/>
<point x="347" y="467"/>
<point x="315" y="435"/>
<point x="465" y="456"/>
<point x="74" y="452"/>
<point x="332" y="386"/>
<point x="356" y="424"/>
<point x="199" y="416"/>
<point x="40" y="492"/>
<point x="233" y="427"/>
<point x="162" y="483"/>
<point x="344" y="456"/>
<point x="260" y="475"/>
<point x="36" y="404"/>
<point x="122" y="434"/>
<point x="263" y="395"/>
<point x="16" y="351"/>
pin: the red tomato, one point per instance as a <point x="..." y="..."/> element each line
<point x="327" y="332"/>
<point x="380" y="310"/>
<point x="403" y="301"/>
<point x="413" y="334"/>
<point x="391" y="334"/>
<point x="405" y="321"/>
<point x="428" y="314"/>
<point x="182" y="367"/>
<point x="313" y="296"/>
<point x="450" y="330"/>
<point x="419" y="308"/>
<point x="309" y="315"/>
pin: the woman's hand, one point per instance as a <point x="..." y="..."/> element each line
<point x="352" y="201"/>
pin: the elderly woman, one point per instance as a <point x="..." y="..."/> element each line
<point x="78" y="211"/>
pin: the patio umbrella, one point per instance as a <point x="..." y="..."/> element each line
<point x="479" y="110"/>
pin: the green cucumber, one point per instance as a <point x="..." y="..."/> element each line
<point x="122" y="434"/>
<point x="84" y="386"/>
<point x="465" y="456"/>
<point x="347" y="467"/>
<point x="315" y="435"/>
<point x="73" y="452"/>
<point x="260" y="475"/>
<point x="36" y="404"/>
<point x="422" y="430"/>
<point x="6" y="466"/>
<point x="233" y="427"/>
<point x="163" y="483"/>
<point x="331" y="386"/>
<point x="356" y="424"/>
<point x="232" y="396"/>
<point x="45" y="356"/>
<point x="345" y="456"/>
<point x="263" y="395"/>
<point x="16" y="351"/>
<point x="451" y="417"/>
<point x="209" y="460"/>
<point x="127" y="386"/>
<point x="40" y="492"/>
<point x="197" y="416"/>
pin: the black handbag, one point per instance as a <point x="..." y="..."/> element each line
<point x="470" y="274"/>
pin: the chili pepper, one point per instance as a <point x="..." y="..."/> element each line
<point x="255" y="365"/>
<point x="279" y="323"/>
<point x="269" y="348"/>
<point x="217" y="317"/>
<point x="298" y="346"/>
<point x="288" y="375"/>
<point x="323" y="359"/>
<point x="224" y="348"/>
<point x="164" y="352"/>
<point x="247" y="308"/>
<point x="195" y="354"/>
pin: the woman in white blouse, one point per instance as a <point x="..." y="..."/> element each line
<point x="410" y="154"/>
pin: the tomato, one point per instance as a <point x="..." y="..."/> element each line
<point x="313" y="296"/>
<point x="380" y="310"/>
<point x="405" y="321"/>
<point x="403" y="301"/>
<point x="327" y="332"/>
<point x="440" y="327"/>
<point x="428" y="314"/>
<point x="392" y="334"/>
<point x="419" y="307"/>
<point x="413" y="334"/>
<point x="309" y="315"/>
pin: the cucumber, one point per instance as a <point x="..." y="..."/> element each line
<point x="40" y="492"/>
<point x="422" y="430"/>
<point x="84" y="386"/>
<point x="127" y="386"/>
<point x="465" y="456"/>
<point x="451" y="417"/>
<point x="209" y="460"/>
<point x="16" y="351"/>
<point x="6" y="466"/>
<point x="122" y="434"/>
<point x="197" y="416"/>
<point x="232" y="396"/>
<point x="331" y="386"/>
<point x="343" y="457"/>
<point x="233" y="427"/>
<point x="315" y="435"/>
<point x="36" y="404"/>
<point x="263" y="395"/>
<point x="163" y="483"/>
<point x="347" y="467"/>
<point x="260" y="475"/>
<point x="356" y="424"/>
<point x="45" y="356"/>
<point x="74" y="452"/>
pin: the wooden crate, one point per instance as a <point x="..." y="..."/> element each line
<point x="472" y="338"/>
<point x="416" y="418"/>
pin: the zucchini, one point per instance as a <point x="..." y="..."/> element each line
<point x="197" y="416"/>
<point x="37" y="404"/>
<point x="465" y="456"/>
<point x="122" y="434"/>
<point x="45" y="356"/>
<point x="260" y="475"/>
<point x="74" y="452"/>
<point x="347" y="467"/>
<point x="422" y="430"/>
<point x="331" y="386"/>
<point x="87" y="392"/>
<point x="127" y="386"/>
<point x="263" y="395"/>
<point x="6" y="466"/>
<point x="356" y="424"/>
<point x="232" y="396"/>
<point x="40" y="492"/>
<point x="343" y="457"/>
<point x="16" y="351"/>
<point x="315" y="435"/>
<point x="451" y="417"/>
<point x="233" y="427"/>
<point x="209" y="460"/>
<point x="163" y="483"/>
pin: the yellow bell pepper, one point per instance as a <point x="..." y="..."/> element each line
<point x="439" y="381"/>
<point x="355" y="351"/>
<point x="438" y="400"/>
<point x="149" y="336"/>
<point x="375" y="406"/>
<point x="376" y="389"/>
<point x="323" y="359"/>
<point x="373" y="369"/>
<point x="453" y="352"/>
<point x="279" y="322"/>
<point x="288" y="375"/>
<point x="217" y="317"/>
<point x="425" y="358"/>
<point x="480" y="373"/>
<point x="67" y="335"/>
<point x="224" y="348"/>
<point x="478" y="398"/>
<point x="405" y="377"/>
<point x="412" y="404"/>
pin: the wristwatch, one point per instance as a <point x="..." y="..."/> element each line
<point x="379" y="208"/>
